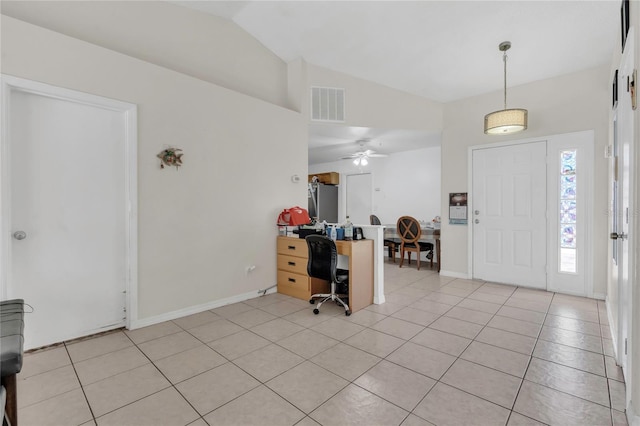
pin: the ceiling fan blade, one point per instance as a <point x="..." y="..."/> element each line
<point x="363" y="155"/>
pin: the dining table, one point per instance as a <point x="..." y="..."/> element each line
<point x="428" y="233"/>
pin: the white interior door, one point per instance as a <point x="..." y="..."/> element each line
<point x="509" y="214"/>
<point x="359" y="198"/>
<point x="624" y="154"/>
<point x="67" y="214"/>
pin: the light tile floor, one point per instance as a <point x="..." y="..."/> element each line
<point x="440" y="351"/>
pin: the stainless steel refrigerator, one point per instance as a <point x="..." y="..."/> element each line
<point x="323" y="202"/>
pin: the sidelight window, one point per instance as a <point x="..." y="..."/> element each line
<point x="568" y="212"/>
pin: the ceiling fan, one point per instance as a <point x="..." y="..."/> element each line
<point x="361" y="158"/>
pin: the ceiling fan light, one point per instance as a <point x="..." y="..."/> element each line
<point x="505" y="121"/>
<point x="357" y="161"/>
<point x="364" y="161"/>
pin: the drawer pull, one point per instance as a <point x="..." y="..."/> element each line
<point x="291" y="247"/>
<point x="292" y="280"/>
<point x="292" y="263"/>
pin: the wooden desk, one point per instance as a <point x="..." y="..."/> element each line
<point x="428" y="235"/>
<point x="294" y="281"/>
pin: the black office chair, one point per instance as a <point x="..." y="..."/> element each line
<point x="392" y="244"/>
<point x="323" y="264"/>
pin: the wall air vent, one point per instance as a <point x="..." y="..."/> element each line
<point x="327" y="104"/>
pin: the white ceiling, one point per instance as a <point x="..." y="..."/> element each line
<point x="328" y="143"/>
<point x="441" y="50"/>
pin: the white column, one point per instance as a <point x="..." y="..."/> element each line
<point x="376" y="233"/>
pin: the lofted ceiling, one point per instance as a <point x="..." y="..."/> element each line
<point x="441" y="50"/>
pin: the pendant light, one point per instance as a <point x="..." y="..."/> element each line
<point x="506" y="120"/>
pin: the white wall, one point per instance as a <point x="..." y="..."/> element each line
<point x="406" y="183"/>
<point x="369" y="104"/>
<point x="565" y="104"/>
<point x="201" y="226"/>
<point x="175" y="37"/>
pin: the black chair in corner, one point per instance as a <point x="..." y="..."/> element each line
<point x="392" y="244"/>
<point x="323" y="264"/>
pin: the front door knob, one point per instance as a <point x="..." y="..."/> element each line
<point x="19" y="235"/>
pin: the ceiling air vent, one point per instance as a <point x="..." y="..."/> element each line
<point x="327" y="104"/>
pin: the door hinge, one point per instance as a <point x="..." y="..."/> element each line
<point x="625" y="345"/>
<point x="626" y="215"/>
<point x="608" y="151"/>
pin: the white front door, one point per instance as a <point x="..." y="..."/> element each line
<point x="66" y="212"/>
<point x="359" y="198"/>
<point x="508" y="214"/>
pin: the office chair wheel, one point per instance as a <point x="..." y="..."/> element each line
<point x="312" y="301"/>
<point x="316" y="311"/>
<point x="347" y="312"/>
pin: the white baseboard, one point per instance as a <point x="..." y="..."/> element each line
<point x="614" y="333"/>
<point x="632" y="418"/>
<point x="197" y="309"/>
<point x="455" y="274"/>
<point x="599" y="296"/>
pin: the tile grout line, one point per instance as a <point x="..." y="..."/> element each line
<point x="386" y="316"/>
<point x="93" y="417"/>
<point x="457" y="358"/>
<point x="166" y="378"/>
<point x="529" y="363"/>
<point x="537" y="338"/>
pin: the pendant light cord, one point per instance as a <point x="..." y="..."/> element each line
<point x="504" y="59"/>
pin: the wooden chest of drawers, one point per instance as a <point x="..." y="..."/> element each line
<point x="292" y="270"/>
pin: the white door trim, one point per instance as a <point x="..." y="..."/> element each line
<point x="10" y="84"/>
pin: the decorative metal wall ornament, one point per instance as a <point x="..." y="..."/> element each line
<point x="170" y="157"/>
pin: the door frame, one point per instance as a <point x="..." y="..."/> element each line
<point x="10" y="84"/>
<point x="345" y="195"/>
<point x="590" y="205"/>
